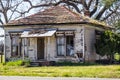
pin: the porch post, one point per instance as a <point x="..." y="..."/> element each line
<point x="27" y="45"/>
<point x="23" y="41"/>
<point x="84" y="44"/>
<point x="18" y="46"/>
<point x="4" y="45"/>
<point x="48" y="53"/>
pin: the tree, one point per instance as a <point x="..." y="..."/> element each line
<point x="14" y="9"/>
<point x="114" y="19"/>
<point x="7" y="10"/>
<point x="108" y="44"/>
<point x="117" y="25"/>
<point x="97" y="9"/>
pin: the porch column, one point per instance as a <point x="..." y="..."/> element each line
<point x="4" y="45"/>
<point x="27" y="46"/>
<point x="23" y="53"/>
<point x="48" y="47"/>
<point x="84" y="44"/>
<point x="18" y="46"/>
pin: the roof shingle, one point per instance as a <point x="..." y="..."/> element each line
<point x="57" y="14"/>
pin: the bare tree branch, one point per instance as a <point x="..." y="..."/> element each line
<point x="112" y="12"/>
<point x="89" y="3"/>
<point x="101" y="13"/>
<point x="1" y="22"/>
<point x="94" y="8"/>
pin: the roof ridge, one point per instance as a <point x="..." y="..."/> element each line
<point x="73" y="12"/>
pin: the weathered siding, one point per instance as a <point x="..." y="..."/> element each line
<point x="89" y="44"/>
<point x="51" y="48"/>
<point x="32" y="49"/>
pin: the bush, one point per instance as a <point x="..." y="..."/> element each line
<point x="15" y="63"/>
<point x="117" y="57"/>
<point x="26" y="63"/>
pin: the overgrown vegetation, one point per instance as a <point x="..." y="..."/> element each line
<point x="108" y="45"/>
<point x="25" y="63"/>
<point x="15" y="63"/>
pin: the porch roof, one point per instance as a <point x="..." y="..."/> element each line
<point x="38" y="33"/>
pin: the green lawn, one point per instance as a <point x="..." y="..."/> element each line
<point x="108" y="71"/>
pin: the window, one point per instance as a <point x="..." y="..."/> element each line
<point x="60" y="46"/>
<point x="15" y="45"/>
<point x="69" y="46"/>
<point x="65" y="43"/>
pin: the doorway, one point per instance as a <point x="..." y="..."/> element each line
<point x="40" y="48"/>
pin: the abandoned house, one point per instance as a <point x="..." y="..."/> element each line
<point x="55" y="34"/>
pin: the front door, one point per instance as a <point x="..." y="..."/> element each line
<point x="40" y="48"/>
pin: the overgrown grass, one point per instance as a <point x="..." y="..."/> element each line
<point x="108" y="71"/>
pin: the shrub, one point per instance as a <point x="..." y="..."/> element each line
<point x="117" y="57"/>
<point x="26" y="63"/>
<point x="15" y="63"/>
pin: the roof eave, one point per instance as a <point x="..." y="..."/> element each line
<point x="66" y="23"/>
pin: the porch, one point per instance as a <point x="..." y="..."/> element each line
<point x="38" y="43"/>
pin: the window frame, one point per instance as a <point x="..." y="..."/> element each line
<point x="64" y="35"/>
<point x="64" y="45"/>
<point x="16" y="45"/>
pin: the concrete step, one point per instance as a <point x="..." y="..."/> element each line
<point x="34" y="64"/>
<point x="42" y="63"/>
